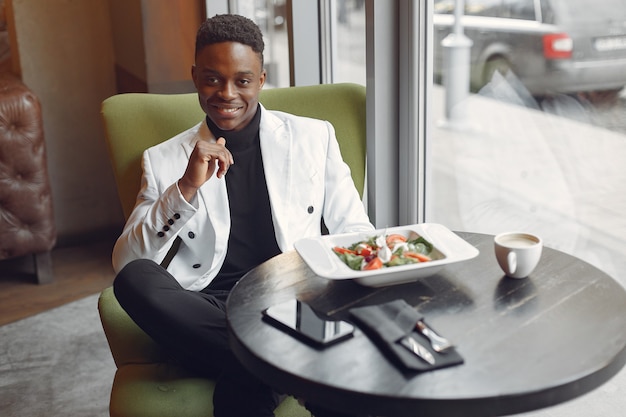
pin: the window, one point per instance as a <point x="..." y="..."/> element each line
<point x="350" y="41"/>
<point x="513" y="9"/>
<point x="519" y="9"/>
<point x="484" y="8"/>
<point x="539" y="146"/>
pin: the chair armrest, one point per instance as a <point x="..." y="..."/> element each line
<point x="128" y="343"/>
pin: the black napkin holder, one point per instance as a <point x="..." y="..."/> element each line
<point x="386" y="324"/>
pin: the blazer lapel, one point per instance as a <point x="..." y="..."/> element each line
<point x="277" y="159"/>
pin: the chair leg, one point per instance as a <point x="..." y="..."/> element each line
<point x="43" y="267"/>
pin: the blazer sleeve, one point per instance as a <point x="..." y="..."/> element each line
<point x="159" y="214"/>
<point x="344" y="210"/>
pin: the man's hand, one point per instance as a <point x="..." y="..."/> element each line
<point x="204" y="160"/>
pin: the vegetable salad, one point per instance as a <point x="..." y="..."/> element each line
<point x="384" y="251"/>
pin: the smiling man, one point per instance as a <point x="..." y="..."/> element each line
<point x="219" y="199"/>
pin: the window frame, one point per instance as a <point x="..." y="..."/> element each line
<point x="399" y="73"/>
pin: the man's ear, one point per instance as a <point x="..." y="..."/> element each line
<point x="262" y="78"/>
<point x="193" y="74"/>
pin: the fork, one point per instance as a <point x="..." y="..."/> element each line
<point x="438" y="343"/>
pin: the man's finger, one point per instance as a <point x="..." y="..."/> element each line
<point x="222" y="141"/>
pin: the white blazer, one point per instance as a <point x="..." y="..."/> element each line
<point x="306" y="180"/>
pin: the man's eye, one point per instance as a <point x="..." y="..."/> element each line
<point x="244" y="82"/>
<point x="212" y="80"/>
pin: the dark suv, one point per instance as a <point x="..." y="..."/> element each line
<point x="552" y="46"/>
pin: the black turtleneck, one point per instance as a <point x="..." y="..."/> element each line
<point x="252" y="239"/>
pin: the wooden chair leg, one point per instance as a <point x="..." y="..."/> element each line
<point x="43" y="267"/>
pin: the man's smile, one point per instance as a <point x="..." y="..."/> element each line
<point x="226" y="109"/>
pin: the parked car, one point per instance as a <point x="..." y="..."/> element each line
<point x="552" y="46"/>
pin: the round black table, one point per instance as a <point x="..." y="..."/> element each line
<point x="526" y="343"/>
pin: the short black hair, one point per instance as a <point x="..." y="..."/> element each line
<point x="230" y="28"/>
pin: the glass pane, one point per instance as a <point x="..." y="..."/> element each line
<point x="349" y="42"/>
<point x="271" y="16"/>
<point x="529" y="127"/>
<point x="584" y="11"/>
<point x="519" y="9"/>
<point x="483" y="7"/>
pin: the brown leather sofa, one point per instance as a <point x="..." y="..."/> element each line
<point x="26" y="215"/>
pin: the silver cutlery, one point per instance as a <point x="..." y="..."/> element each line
<point x="438" y="343"/>
<point x="419" y="350"/>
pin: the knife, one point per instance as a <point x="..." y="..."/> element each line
<point x="415" y="347"/>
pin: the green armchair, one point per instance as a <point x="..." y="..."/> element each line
<point x="146" y="384"/>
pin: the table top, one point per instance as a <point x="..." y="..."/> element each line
<point x="526" y="343"/>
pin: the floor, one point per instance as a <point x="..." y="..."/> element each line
<point x="56" y="363"/>
<point x="78" y="271"/>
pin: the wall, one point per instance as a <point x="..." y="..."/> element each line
<point x="154" y="44"/>
<point x="128" y="43"/>
<point x="171" y="30"/>
<point x="71" y="53"/>
<point x="66" y="57"/>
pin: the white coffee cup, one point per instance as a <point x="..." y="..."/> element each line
<point x="517" y="253"/>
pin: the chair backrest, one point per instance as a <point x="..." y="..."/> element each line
<point x="135" y="121"/>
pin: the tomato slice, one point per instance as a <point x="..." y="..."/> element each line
<point x="375" y="263"/>
<point x="420" y="257"/>
<point x="393" y="238"/>
<point x="364" y="249"/>
<point x="339" y="249"/>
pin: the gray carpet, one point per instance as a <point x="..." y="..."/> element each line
<point x="56" y="363"/>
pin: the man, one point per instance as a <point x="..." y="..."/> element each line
<point x="222" y="197"/>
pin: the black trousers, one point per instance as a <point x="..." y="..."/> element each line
<point x="191" y="327"/>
